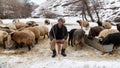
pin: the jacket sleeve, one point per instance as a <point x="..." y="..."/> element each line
<point x="66" y="34"/>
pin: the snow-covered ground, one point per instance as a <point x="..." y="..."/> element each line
<point x="40" y="55"/>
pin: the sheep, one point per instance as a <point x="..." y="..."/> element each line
<point x="99" y="23"/>
<point x="43" y="31"/>
<point x="78" y="37"/>
<point x="113" y="38"/>
<point x="47" y="21"/>
<point x="11" y="26"/>
<point x="1" y="22"/>
<point x="3" y="37"/>
<point x="70" y="40"/>
<point x="16" y="21"/>
<point x="7" y="29"/>
<point x="94" y="31"/>
<point x="19" y="24"/>
<point x="83" y="24"/>
<point x="36" y="31"/>
<point x="118" y="27"/>
<point x="32" y="23"/>
<point x="46" y="31"/>
<point x="24" y="37"/>
<point x="105" y="32"/>
<point x="106" y="25"/>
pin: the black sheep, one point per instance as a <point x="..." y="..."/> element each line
<point x="118" y="27"/>
<point x="70" y="40"/>
<point x="113" y="38"/>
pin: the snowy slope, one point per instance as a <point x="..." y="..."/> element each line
<point x="110" y="9"/>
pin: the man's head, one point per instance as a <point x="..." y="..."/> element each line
<point x="61" y="21"/>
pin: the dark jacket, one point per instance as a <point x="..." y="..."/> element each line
<point x="58" y="33"/>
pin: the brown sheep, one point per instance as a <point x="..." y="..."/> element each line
<point x="83" y="24"/>
<point x="47" y="21"/>
<point x="94" y="31"/>
<point x="36" y="31"/>
<point x="24" y="37"/>
<point x="32" y="23"/>
<point x="19" y="24"/>
<point x="78" y="37"/>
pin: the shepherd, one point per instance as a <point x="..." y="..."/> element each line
<point x="58" y="32"/>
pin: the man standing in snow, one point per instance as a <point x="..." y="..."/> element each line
<point x="58" y="32"/>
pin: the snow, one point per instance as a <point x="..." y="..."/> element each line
<point x="77" y="64"/>
<point x="40" y="55"/>
<point x="37" y="1"/>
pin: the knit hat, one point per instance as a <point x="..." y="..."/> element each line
<point x="62" y="20"/>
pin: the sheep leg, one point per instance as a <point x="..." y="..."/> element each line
<point x="32" y="46"/>
<point x="29" y="48"/>
<point x="80" y="45"/>
<point x="36" y="40"/>
<point x="21" y="45"/>
<point x="44" y="37"/>
<point x="16" y="46"/>
<point x="48" y="35"/>
<point x="4" y="46"/>
<point x="72" y="42"/>
<point x="69" y="41"/>
<point x="76" y="47"/>
<point x="112" y="50"/>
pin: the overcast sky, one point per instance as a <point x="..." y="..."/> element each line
<point x="38" y="1"/>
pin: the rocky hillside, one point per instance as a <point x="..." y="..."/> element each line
<point x="110" y="9"/>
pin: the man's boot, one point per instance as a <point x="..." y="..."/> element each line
<point x="54" y="53"/>
<point x="63" y="52"/>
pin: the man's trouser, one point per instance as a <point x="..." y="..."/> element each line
<point x="52" y="44"/>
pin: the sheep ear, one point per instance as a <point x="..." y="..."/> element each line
<point x="78" y="21"/>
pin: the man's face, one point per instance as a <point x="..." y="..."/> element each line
<point x="60" y="23"/>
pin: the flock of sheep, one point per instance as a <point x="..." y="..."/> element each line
<point x="103" y="32"/>
<point x="21" y="34"/>
<point x="28" y="34"/>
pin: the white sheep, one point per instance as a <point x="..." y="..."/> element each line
<point x="83" y="24"/>
<point x="3" y="37"/>
<point x="105" y="32"/>
<point x="43" y="30"/>
<point x="106" y="25"/>
<point x="11" y="26"/>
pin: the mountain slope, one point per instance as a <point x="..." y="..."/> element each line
<point x="110" y="10"/>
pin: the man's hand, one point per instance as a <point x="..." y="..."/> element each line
<point x="54" y="40"/>
<point x="63" y="40"/>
